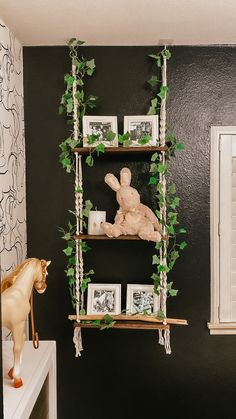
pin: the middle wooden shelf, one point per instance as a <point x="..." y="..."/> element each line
<point x="104" y="237"/>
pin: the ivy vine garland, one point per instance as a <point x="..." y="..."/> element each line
<point x="168" y="197"/>
<point x="158" y="167"/>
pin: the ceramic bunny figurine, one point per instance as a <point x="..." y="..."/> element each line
<point x="132" y="218"/>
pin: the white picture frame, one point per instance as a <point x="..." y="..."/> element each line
<point x="104" y="299"/>
<point x="100" y="125"/>
<point x="140" y="298"/>
<point x="147" y="124"/>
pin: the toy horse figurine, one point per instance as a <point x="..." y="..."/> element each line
<point x="16" y="291"/>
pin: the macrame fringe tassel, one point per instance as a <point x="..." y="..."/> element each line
<point x="77" y="339"/>
<point x="167" y="341"/>
<point x="161" y="338"/>
<point x="164" y="340"/>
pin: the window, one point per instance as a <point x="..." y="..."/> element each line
<point x="223" y="230"/>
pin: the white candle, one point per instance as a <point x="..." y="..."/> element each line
<point x="95" y="219"/>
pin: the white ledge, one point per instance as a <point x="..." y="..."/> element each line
<point x="222" y="328"/>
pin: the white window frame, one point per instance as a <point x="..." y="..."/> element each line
<point x="215" y="326"/>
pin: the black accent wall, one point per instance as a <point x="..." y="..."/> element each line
<point x="126" y="374"/>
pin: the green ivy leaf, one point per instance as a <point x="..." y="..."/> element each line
<point x="152" y="180"/>
<point x="69" y="80"/>
<point x="82" y="312"/>
<point x="66" y="236"/>
<point x="172" y="189"/>
<point x="69" y="105"/>
<point x="145" y="140"/>
<point x="152" y="111"/>
<point x="78" y="190"/>
<point x="153" y="168"/>
<point x="92" y="138"/>
<point x="171" y="230"/>
<point x="155" y="56"/>
<point x="100" y="148"/>
<point x="84" y="284"/>
<point x="68" y="251"/>
<point x="70" y="272"/>
<point x="154" y="157"/>
<point x="182" y="230"/>
<point x="155" y="260"/>
<point x="110" y="136"/>
<point x="127" y="143"/>
<point x="71" y="281"/>
<point x="153" y="81"/>
<point x="167" y="54"/>
<point x="173" y="292"/>
<point x="175" y="203"/>
<point x="88" y="206"/>
<point x="163" y="92"/>
<point x="182" y="245"/>
<point x="71" y="261"/>
<point x="91" y="63"/>
<point x="84" y="247"/>
<point x="123" y="137"/>
<point x="90" y="72"/>
<point x="89" y="160"/>
<point x="160" y="315"/>
<point x="109" y="322"/>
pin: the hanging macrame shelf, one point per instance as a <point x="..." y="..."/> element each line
<point x="121" y="150"/>
<point x="121" y="321"/>
<point x="124" y="321"/>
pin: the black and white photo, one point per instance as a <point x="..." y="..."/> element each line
<point x="104" y="299"/>
<point x="100" y="126"/>
<point x="140" y="127"/>
<point x="141" y="299"/>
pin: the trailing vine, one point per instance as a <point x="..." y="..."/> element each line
<point x="82" y="68"/>
<point x="75" y="81"/>
<point x="174" y="244"/>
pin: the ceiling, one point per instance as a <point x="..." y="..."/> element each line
<point x="121" y="22"/>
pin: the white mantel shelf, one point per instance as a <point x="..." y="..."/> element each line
<point x="37" y="364"/>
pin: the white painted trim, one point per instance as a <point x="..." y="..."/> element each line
<point x="222" y="328"/>
<point x="225" y="209"/>
<point x="216" y="132"/>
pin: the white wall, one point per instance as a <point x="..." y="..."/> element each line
<point x="12" y="153"/>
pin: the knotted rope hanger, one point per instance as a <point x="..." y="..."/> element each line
<point x="164" y="336"/>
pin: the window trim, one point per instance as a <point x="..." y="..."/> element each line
<point x="215" y="326"/>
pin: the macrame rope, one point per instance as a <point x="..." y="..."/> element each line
<point x="79" y="270"/>
<point x="164" y="337"/>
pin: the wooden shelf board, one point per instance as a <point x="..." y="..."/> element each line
<point x="126" y="325"/>
<point x="104" y="237"/>
<point x="121" y="150"/>
<point x="131" y="318"/>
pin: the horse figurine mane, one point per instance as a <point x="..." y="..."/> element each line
<point x="16" y="292"/>
<point x="9" y="280"/>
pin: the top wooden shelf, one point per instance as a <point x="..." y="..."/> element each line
<point x="121" y="150"/>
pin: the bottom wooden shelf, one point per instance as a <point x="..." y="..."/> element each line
<point x="125" y="325"/>
<point x="124" y="321"/>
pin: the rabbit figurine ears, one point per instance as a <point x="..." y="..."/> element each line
<point x="125" y="179"/>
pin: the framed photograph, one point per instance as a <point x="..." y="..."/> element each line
<point x="141" y="299"/>
<point x="104" y="299"/>
<point x="100" y="126"/>
<point x="142" y="126"/>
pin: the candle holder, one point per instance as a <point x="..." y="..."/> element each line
<point x="95" y="219"/>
